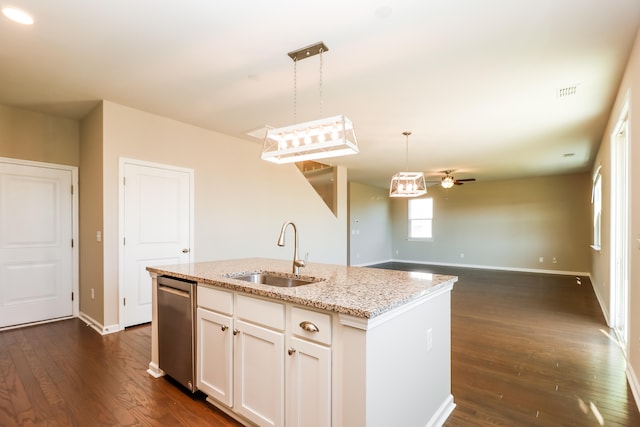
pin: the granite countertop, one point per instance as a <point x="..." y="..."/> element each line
<point x="357" y="291"/>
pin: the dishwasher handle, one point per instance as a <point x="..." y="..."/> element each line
<point x="174" y="291"/>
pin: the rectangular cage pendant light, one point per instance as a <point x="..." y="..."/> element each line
<point x="407" y="184"/>
<point x="318" y="139"/>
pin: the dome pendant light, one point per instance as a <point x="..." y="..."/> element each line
<point x="407" y="184"/>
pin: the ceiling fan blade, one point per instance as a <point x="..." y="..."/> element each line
<point x="465" y="180"/>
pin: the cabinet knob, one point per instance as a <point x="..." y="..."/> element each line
<point x="236" y="332"/>
<point x="185" y="251"/>
<point x="291" y="351"/>
<point x="309" y="327"/>
<point x="224" y="327"/>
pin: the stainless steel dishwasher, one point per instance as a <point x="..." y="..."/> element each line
<point x="176" y="330"/>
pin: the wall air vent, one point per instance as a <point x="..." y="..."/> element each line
<point x="567" y="91"/>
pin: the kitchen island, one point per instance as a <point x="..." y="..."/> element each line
<point x="357" y="347"/>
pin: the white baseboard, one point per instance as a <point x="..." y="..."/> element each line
<point x="154" y="370"/>
<point x="492" y="267"/>
<point x="633" y="384"/>
<point x="442" y="413"/>
<point x="97" y="326"/>
<point x="366" y="264"/>
<point x="603" y="306"/>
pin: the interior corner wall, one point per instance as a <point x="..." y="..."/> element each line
<point x="369" y="225"/>
<point x="241" y="201"/>
<point x="505" y="224"/>
<point x="601" y="260"/>
<point x="91" y="218"/>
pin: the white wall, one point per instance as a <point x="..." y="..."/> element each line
<point x="630" y="86"/>
<point x="369" y="225"/>
<point x="240" y="200"/>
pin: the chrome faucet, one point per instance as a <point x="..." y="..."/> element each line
<point x="297" y="263"/>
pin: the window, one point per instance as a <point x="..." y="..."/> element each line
<point x="596" y="200"/>
<point x="420" y="218"/>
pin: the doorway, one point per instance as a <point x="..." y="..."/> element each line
<point x="156" y="213"/>
<point x="620" y="228"/>
<point x="38" y="242"/>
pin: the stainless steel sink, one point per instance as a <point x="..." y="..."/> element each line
<point x="274" y="279"/>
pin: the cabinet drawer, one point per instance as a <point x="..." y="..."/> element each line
<point x="215" y="300"/>
<point x="321" y="321"/>
<point x="261" y="312"/>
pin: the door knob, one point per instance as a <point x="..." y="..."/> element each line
<point x="185" y="251"/>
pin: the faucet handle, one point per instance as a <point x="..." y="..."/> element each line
<point x="302" y="262"/>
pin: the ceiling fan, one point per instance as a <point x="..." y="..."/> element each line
<point x="448" y="181"/>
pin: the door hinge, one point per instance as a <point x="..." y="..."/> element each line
<point x="124" y="180"/>
<point x="72" y="243"/>
<point x="124" y="301"/>
<point x="71" y="296"/>
<point x="72" y="190"/>
<point x="124" y="241"/>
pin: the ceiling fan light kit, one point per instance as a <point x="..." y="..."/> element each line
<point x="318" y="139"/>
<point x="447" y="181"/>
<point x="407" y="184"/>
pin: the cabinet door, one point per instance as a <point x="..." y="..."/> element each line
<point x="259" y="374"/>
<point x="309" y="384"/>
<point x="214" y="371"/>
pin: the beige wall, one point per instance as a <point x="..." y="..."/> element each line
<point x="91" y="215"/>
<point x="38" y="137"/>
<point x="240" y="200"/>
<point x="504" y="224"/>
<point x="369" y="225"/>
<point x="630" y="87"/>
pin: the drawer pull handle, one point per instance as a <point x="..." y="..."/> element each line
<point x="236" y="331"/>
<point x="224" y="327"/>
<point x="291" y="351"/>
<point x="309" y="327"/>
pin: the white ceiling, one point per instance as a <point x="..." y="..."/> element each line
<point x="475" y="81"/>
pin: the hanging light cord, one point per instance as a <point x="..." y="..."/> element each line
<point x="406" y="154"/>
<point x="295" y="90"/>
<point x="321" y="50"/>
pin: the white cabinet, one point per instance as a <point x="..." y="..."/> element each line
<point x="259" y="360"/>
<point x="308" y="384"/>
<point x="252" y="353"/>
<point x="215" y="355"/>
<point x="309" y="369"/>
<point x="259" y="374"/>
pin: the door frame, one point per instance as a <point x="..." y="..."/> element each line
<point x="75" y="272"/>
<point x="620" y="223"/>
<point x="123" y="161"/>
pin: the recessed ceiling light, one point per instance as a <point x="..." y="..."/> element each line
<point x="17" y="15"/>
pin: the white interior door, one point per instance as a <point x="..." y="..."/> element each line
<point x="157" y="227"/>
<point x="36" y="254"/>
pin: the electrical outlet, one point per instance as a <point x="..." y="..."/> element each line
<point x="554" y="260"/>
<point x="541" y="259"/>
<point x="462" y="255"/>
<point x="93" y="295"/>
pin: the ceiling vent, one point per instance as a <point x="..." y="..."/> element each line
<point x="567" y="91"/>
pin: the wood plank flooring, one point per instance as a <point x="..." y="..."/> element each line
<point x="527" y="350"/>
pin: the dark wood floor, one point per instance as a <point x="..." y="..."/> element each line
<point x="527" y="350"/>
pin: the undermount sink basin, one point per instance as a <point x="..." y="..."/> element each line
<point x="274" y="279"/>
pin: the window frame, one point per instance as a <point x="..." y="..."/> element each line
<point x="429" y="217"/>
<point x="596" y="201"/>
